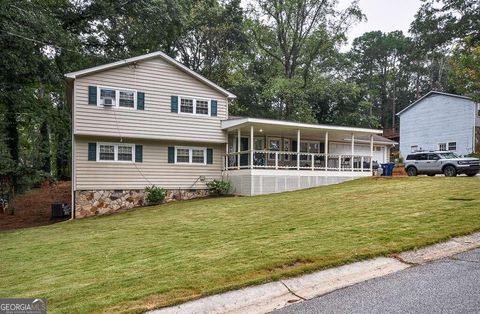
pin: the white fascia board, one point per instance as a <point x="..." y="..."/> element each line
<point x="227" y="124"/>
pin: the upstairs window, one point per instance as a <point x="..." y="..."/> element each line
<point x="108" y="97"/>
<point x="194" y="106"/>
<point x="452" y="146"/>
<point x="442" y="146"/>
<point x="186" y="105"/>
<point x="127" y="99"/>
<point x="202" y="107"/>
<point x="115" y="97"/>
<point x="413" y="148"/>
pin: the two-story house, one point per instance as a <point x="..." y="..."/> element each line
<point x="149" y="120"/>
<point x="440" y="121"/>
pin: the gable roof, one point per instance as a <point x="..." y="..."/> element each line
<point x="430" y="93"/>
<point x="153" y="55"/>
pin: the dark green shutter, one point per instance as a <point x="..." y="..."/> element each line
<point x="174" y="104"/>
<point x="171" y="155"/>
<point x="140" y="101"/>
<point x="213" y="109"/>
<point x="92" y="151"/>
<point x="92" y="95"/>
<point x="209" y="156"/>
<point x="138" y="153"/>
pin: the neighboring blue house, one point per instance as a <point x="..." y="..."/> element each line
<point x="440" y="121"/>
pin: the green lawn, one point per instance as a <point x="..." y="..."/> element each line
<point x="157" y="256"/>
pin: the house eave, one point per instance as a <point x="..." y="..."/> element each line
<point x="234" y="124"/>
<point x="158" y="54"/>
<point x="429" y="94"/>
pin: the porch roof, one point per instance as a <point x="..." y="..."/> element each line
<point x="269" y="124"/>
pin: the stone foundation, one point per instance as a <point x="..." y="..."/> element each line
<point x="99" y="202"/>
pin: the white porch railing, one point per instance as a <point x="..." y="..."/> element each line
<point x="265" y="159"/>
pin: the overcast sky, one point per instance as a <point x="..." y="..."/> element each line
<point x="384" y="15"/>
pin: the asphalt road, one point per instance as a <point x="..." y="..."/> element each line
<point x="450" y="285"/>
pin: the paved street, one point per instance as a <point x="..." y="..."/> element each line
<point x="450" y="285"/>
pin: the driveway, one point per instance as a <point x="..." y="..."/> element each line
<point x="450" y="285"/>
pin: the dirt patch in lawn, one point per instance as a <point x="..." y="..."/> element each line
<point x="33" y="208"/>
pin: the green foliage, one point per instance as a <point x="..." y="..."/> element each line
<point x="466" y="70"/>
<point x="153" y="257"/>
<point x="155" y="195"/>
<point x="281" y="58"/>
<point x="219" y="187"/>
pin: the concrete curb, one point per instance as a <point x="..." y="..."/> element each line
<point x="441" y="250"/>
<point x="268" y="297"/>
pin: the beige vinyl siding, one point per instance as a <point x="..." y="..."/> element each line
<point x="92" y="175"/>
<point x="159" y="81"/>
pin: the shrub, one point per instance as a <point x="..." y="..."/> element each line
<point x="155" y="195"/>
<point x="219" y="187"/>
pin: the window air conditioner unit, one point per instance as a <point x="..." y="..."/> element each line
<point x="107" y="102"/>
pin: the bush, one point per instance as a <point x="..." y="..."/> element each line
<point x="219" y="187"/>
<point x="155" y="195"/>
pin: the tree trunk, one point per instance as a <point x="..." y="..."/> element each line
<point x="45" y="148"/>
<point x="12" y="137"/>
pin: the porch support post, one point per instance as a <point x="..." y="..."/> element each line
<point x="353" y="149"/>
<point x="371" y="152"/>
<point x="326" y="151"/>
<point x="251" y="147"/>
<point x="226" y="155"/>
<point x="298" y="149"/>
<point x="239" y="134"/>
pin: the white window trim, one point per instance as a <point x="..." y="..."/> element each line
<point x="115" y="152"/>
<point x="117" y="97"/>
<point x="443" y="143"/>
<point x="190" y="155"/>
<point x="414" y="148"/>
<point x="194" y="113"/>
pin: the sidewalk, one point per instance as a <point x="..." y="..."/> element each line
<point x="275" y="295"/>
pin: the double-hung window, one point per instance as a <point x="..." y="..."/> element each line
<point x="117" y="97"/>
<point x="126" y="99"/>
<point x="190" y="155"/>
<point x="194" y="106"/>
<point x="115" y="152"/>
<point x="442" y="146"/>
<point x="452" y="145"/>
<point x="186" y="105"/>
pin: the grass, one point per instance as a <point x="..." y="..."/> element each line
<point x="158" y="256"/>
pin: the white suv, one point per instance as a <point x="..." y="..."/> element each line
<point x="438" y="162"/>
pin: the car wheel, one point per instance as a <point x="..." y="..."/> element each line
<point x="471" y="174"/>
<point x="412" y="171"/>
<point x="450" y="171"/>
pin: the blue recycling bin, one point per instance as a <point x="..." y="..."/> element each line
<point x="388" y="169"/>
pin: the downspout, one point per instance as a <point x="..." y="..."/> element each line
<point x="71" y="97"/>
